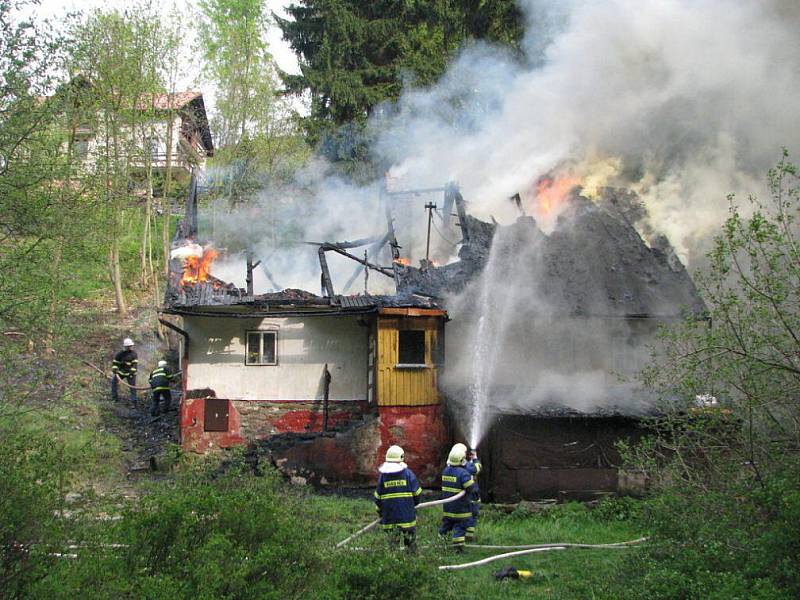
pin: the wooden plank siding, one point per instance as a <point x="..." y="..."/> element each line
<point x="406" y="386"/>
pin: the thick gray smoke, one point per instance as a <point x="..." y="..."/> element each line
<point x="684" y="101"/>
<point x="681" y="101"/>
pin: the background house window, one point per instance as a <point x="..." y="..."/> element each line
<point x="411" y="347"/>
<point x="81" y="147"/>
<point x="261" y="348"/>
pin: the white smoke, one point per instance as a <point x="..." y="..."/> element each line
<point x="694" y="98"/>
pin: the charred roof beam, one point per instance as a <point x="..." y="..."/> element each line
<point x="335" y="248"/>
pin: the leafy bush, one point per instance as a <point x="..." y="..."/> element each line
<point x="32" y="475"/>
<point x="618" y="509"/>
<point x="725" y="468"/>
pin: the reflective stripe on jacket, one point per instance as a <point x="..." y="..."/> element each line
<point x="396" y="497"/>
<point x="125" y="363"/>
<point x="160" y="378"/>
<point x="454" y="480"/>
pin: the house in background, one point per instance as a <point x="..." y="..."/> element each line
<point x="172" y="132"/>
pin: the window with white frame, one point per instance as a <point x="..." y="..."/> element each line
<point x="262" y="348"/>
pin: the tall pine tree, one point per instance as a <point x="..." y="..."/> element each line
<point x="356" y="54"/>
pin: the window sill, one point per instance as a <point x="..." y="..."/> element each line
<point x="412" y="366"/>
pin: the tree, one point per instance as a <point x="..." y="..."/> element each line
<point x="724" y="459"/>
<point x="354" y="55"/>
<point x="257" y="142"/>
<point x="43" y="217"/>
<point x="120" y="55"/>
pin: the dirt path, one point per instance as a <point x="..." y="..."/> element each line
<point x="148" y="444"/>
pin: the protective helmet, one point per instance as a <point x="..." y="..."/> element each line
<point x="457" y="456"/>
<point x="127" y="342"/>
<point x="162" y="363"/>
<point x="395" y="454"/>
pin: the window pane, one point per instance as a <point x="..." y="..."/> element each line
<point x="269" y="348"/>
<point x="253" y="342"/>
<point x="412" y="347"/>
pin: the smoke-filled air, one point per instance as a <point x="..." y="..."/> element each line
<point x="679" y="102"/>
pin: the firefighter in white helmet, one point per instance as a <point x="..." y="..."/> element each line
<point x="458" y="513"/>
<point x="124" y="367"/>
<point x="160" y="378"/>
<point x="473" y="467"/>
<point x="397" y="496"/>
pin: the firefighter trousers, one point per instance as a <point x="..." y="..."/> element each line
<point x="158" y="396"/>
<point x="456" y="527"/>
<point x="130" y="380"/>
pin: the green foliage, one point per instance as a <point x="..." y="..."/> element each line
<point x="726" y="471"/>
<point x="33" y="476"/>
<point x="355" y="55"/>
<point x="384" y="572"/>
<point x="618" y="509"/>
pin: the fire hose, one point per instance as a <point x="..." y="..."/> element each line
<point x="376" y="521"/>
<point x="119" y="379"/>
<point x="530" y="549"/>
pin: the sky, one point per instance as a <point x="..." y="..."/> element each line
<point x="284" y="57"/>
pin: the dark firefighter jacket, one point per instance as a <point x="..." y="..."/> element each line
<point x="125" y="363"/>
<point x="160" y="378"/>
<point x="455" y="479"/>
<point x="397" y="496"/>
<point x="474" y="467"/>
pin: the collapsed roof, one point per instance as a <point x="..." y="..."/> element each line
<point x="594" y="263"/>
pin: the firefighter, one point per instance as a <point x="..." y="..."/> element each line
<point x="397" y="496"/>
<point x="473" y="466"/>
<point x="160" y="378"/>
<point x="457" y="514"/>
<point x="124" y="366"/>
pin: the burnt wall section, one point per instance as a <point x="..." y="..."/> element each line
<point x="290" y="433"/>
<point x="346" y="457"/>
<point x="530" y="458"/>
<point x="261" y="419"/>
<point x="249" y="421"/>
<point x="423" y="435"/>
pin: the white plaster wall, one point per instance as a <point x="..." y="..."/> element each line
<point x="217" y="355"/>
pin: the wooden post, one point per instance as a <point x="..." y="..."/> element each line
<point x="430" y="207"/>
<point x="327" y="284"/>
<point x="249" y="278"/>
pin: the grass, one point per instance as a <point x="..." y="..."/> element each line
<point x="575" y="573"/>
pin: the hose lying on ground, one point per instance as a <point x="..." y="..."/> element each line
<point x="376" y="521"/>
<point x="530" y="550"/>
<point x="119" y="379"/>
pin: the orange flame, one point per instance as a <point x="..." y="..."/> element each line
<point x="403" y="261"/>
<point x="552" y="192"/>
<point x="196" y="269"/>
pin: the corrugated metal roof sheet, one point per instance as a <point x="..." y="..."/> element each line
<point x="356" y="301"/>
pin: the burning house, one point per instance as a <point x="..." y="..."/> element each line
<point x="556" y="323"/>
<point x="323" y="383"/>
<point x="549" y="322"/>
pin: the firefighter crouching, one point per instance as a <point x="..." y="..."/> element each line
<point x="124" y="366"/>
<point x="397" y="496"/>
<point x="160" y="378"/>
<point x="458" y="513"/>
